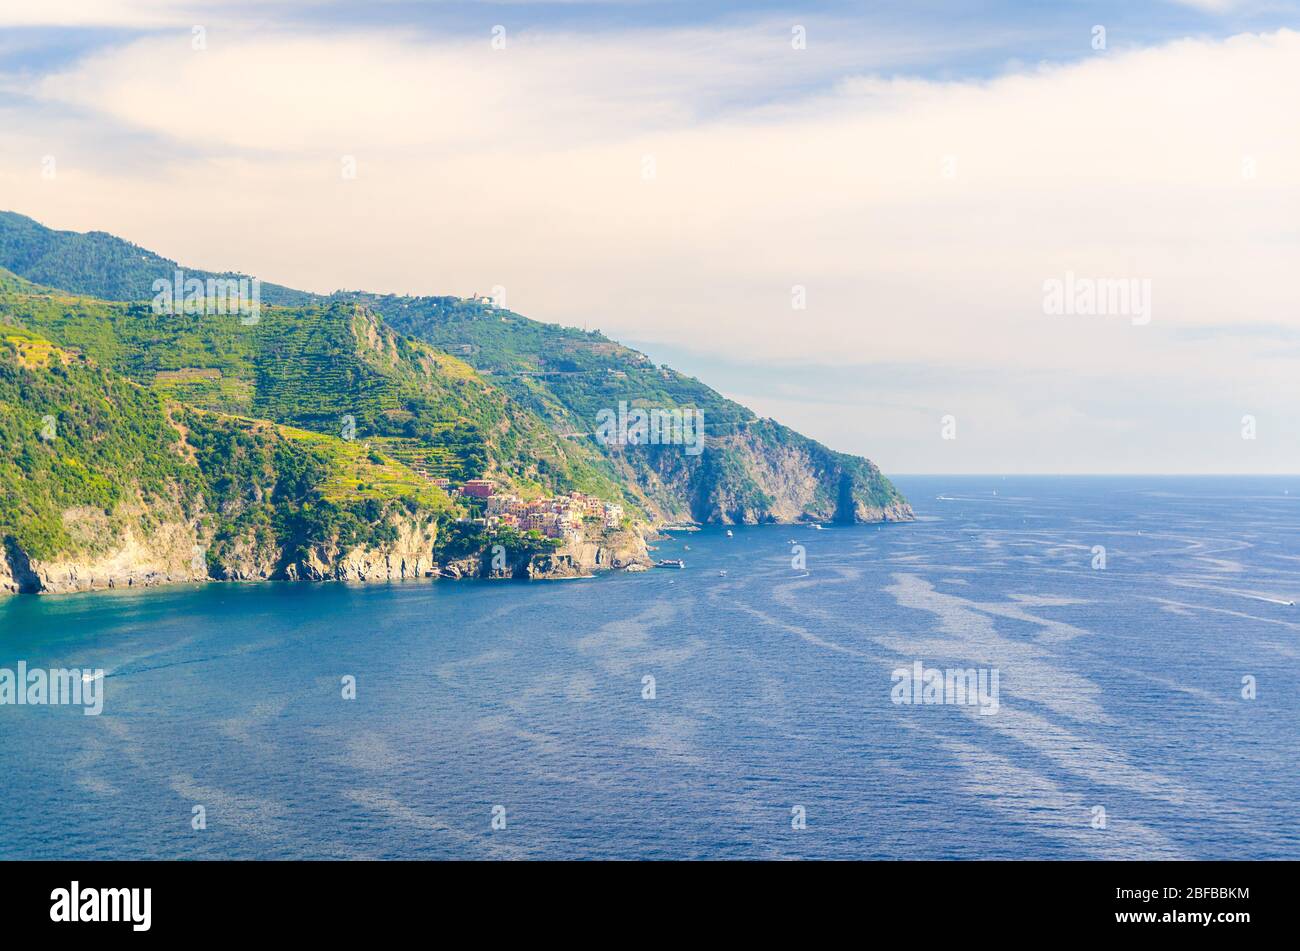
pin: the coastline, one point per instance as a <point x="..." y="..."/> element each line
<point x="136" y="565"/>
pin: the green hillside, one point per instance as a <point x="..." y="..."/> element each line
<point x="69" y="429"/>
<point x="447" y="387"/>
<point x="98" y="264"/>
<point x="569" y="376"/>
<point x="561" y="371"/>
<point x="78" y="438"/>
<point x="324" y="368"/>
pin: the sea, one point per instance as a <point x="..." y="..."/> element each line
<point x="791" y="692"/>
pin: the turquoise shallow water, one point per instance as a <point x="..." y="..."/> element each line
<point x="1119" y="688"/>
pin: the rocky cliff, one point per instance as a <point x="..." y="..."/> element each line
<point x="409" y="555"/>
<point x="745" y="469"/>
<point x="174" y="552"/>
<point x="137" y="545"/>
<point x="609" y="552"/>
<point x="764" y="472"/>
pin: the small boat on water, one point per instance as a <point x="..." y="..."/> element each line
<point x="722" y="573"/>
<point x="730" y="533"/>
<point x="817" y="526"/>
<point x="670" y="563"/>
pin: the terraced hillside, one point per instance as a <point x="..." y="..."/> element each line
<point x="104" y="481"/>
<point x="456" y="388"/>
<point x="754" y="470"/>
<point x="331" y="368"/>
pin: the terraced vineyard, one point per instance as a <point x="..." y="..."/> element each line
<point x="331" y="368"/>
<point x="431" y="462"/>
<point x="308" y="371"/>
<point x="361" y="470"/>
<point x="563" y="373"/>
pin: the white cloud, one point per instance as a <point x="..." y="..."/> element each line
<point x="1210" y="6"/>
<point x="523" y="167"/>
<point x="129" y="14"/>
<point x="141" y="13"/>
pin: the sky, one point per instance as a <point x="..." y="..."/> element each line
<point x="861" y="219"/>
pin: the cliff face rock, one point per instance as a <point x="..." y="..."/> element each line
<point x="610" y="552"/>
<point x="118" y="553"/>
<point x="409" y="556"/>
<point x="893" y="512"/>
<point x="16" y="572"/>
<point x="764" y="473"/>
<point x="249" y="558"/>
<point x="174" y="552"/>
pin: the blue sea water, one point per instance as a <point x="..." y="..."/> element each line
<point x="1120" y="689"/>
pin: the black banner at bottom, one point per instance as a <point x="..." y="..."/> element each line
<point x="1219" y="901"/>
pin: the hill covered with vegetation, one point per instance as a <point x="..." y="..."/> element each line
<point x="100" y="474"/>
<point x="329" y="367"/>
<point x="322" y="423"/>
<point x="569" y="376"/>
<point x="98" y="264"/>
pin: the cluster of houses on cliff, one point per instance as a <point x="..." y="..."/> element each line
<point x="559" y="516"/>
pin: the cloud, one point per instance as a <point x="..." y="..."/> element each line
<point x="1210" y="6"/>
<point x="677" y="185"/>
<point x="134" y="14"/>
<point x="138" y="13"/>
